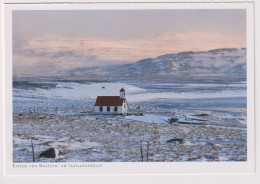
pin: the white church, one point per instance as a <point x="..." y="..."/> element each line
<point x="111" y="104"/>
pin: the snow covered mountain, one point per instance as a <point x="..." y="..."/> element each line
<point x="219" y="63"/>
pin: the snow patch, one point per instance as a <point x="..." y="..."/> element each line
<point x="149" y="118"/>
<point x="92" y="90"/>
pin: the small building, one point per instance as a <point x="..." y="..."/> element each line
<point x="111" y="104"/>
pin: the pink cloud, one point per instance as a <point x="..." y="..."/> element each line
<point x="67" y="53"/>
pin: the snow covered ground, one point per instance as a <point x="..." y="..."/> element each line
<point x="211" y="121"/>
<point x="77" y="91"/>
<point x="226" y="101"/>
<point x="83" y="140"/>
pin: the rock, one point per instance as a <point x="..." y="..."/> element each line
<point x="50" y="153"/>
<point x="203" y="115"/>
<point x="176" y="141"/>
<point x="194" y="158"/>
<point x="190" y="123"/>
<point x="210" y="144"/>
<point x="172" y="120"/>
<point x="211" y="157"/>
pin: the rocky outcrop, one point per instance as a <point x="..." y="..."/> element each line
<point x="176" y="141"/>
<point x="50" y="153"/>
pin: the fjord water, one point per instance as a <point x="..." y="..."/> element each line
<point x="227" y="101"/>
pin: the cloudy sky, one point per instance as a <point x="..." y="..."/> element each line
<point x="49" y="42"/>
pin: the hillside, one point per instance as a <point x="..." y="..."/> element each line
<point x="214" y="64"/>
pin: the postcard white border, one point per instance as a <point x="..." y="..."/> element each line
<point x="116" y="169"/>
<point x="123" y="168"/>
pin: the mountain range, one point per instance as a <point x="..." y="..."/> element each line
<point x="218" y="64"/>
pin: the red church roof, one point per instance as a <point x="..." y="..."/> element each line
<point x="109" y="101"/>
<point x="122" y="90"/>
